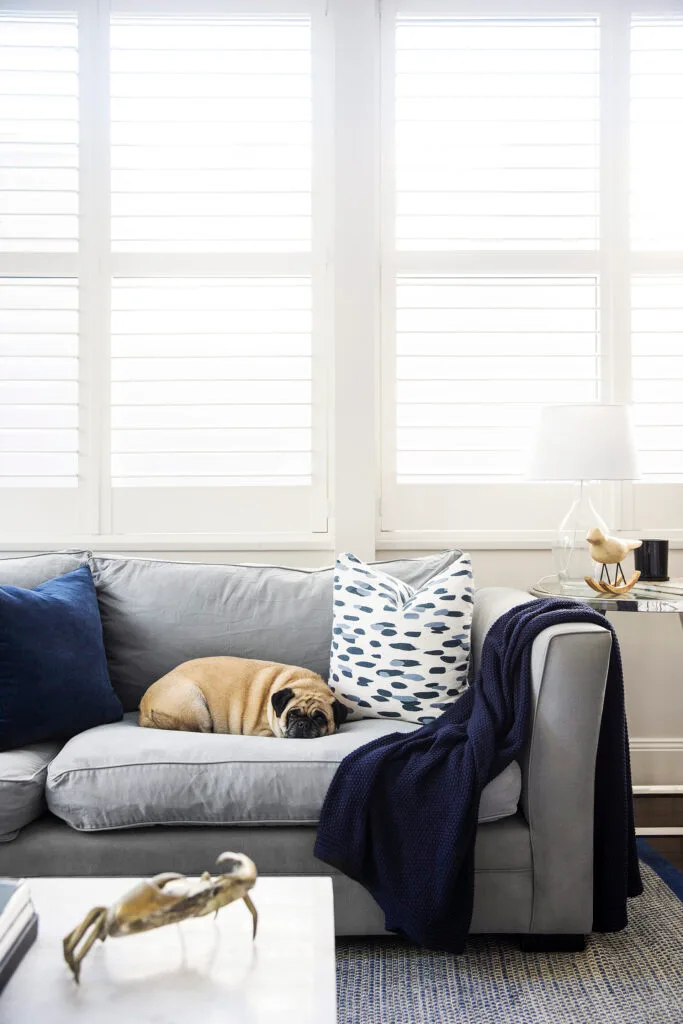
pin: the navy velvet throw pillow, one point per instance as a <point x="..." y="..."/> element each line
<point x="53" y="670"/>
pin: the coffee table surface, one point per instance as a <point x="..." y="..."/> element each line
<point x="205" y="971"/>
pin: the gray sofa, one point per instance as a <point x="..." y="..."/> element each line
<point x="120" y="800"/>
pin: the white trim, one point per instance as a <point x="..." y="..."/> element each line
<point x="473" y="263"/>
<point x="657" y="743"/>
<point x="94" y="273"/>
<point x="658" y="830"/>
<point x="530" y="8"/>
<point x="174" y="542"/>
<point x="216" y="7"/>
<point x="356" y="24"/>
<point x="658" y="790"/>
<point x="38" y="264"/>
<point x="227" y="264"/>
<point x="487" y="540"/>
<point x="320" y="261"/>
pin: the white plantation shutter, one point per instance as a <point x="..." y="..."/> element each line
<point x="38" y="383"/>
<point x="656" y="171"/>
<point x="211" y="383"/>
<point x="215" y="423"/>
<point x="496" y="134"/>
<point x="38" y="133"/>
<point x="656" y="124"/>
<point x="657" y="347"/>
<point x="39" y="293"/>
<point x="495" y="308"/>
<point x="211" y="134"/>
<point x="475" y="357"/>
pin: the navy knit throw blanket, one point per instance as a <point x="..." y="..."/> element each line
<point x="400" y="816"/>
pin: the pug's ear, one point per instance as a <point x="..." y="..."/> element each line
<point x="281" y="699"/>
<point x="340" y="713"/>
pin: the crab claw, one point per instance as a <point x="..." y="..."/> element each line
<point x="237" y="866"/>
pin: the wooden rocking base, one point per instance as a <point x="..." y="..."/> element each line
<point x="611" y="589"/>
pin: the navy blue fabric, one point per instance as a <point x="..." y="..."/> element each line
<point x="400" y="816"/>
<point x="667" y="871"/>
<point x="53" y="670"/>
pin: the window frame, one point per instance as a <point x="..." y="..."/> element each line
<point x="350" y="59"/>
<point x="626" y="505"/>
<point x="94" y="266"/>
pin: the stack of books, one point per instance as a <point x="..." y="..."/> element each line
<point x="18" y="926"/>
<point x="672" y="588"/>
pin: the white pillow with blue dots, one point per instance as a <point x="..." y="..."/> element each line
<point x="400" y="653"/>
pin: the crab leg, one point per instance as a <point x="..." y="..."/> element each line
<point x="94" y="920"/>
<point x="253" y="911"/>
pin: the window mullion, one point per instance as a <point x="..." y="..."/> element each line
<point x="94" y="250"/>
<point x="614" y="227"/>
<point x="356" y="278"/>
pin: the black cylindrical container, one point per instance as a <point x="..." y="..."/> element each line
<point x="652" y="558"/>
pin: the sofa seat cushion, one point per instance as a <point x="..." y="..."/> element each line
<point x="22" y="785"/>
<point x="122" y="776"/>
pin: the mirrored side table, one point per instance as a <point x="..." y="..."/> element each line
<point x="655" y="601"/>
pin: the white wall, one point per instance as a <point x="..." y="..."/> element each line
<point x="651" y="645"/>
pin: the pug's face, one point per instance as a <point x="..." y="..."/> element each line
<point x="305" y="716"/>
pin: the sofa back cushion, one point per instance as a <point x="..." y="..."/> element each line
<point x="157" y="614"/>
<point x="31" y="570"/>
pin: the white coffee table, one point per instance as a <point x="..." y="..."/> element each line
<point x="204" y="971"/>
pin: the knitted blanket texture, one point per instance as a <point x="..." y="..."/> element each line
<point x="400" y="816"/>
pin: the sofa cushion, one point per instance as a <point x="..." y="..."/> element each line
<point x="31" y="570"/>
<point x="399" y="652"/>
<point x="53" y="670"/>
<point x="119" y="776"/>
<point x="156" y="614"/>
<point x="22" y="786"/>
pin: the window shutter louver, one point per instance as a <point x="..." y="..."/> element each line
<point x="656" y="127"/>
<point x="39" y="294"/>
<point x="495" y="307"/>
<point x="212" y="376"/>
<point x="496" y="134"/>
<point x="211" y="134"/>
<point x="38" y="133"/>
<point x="211" y="382"/>
<point x="656" y="171"/>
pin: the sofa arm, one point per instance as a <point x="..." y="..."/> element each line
<point x="569" y="666"/>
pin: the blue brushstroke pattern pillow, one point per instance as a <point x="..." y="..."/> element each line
<point x="397" y="652"/>
<point x="54" y="680"/>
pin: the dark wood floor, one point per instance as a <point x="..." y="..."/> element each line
<point x="662" y="811"/>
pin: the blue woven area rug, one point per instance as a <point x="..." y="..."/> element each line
<point x="633" y="977"/>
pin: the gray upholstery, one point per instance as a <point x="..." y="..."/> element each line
<point x="569" y="673"/>
<point x="569" y="666"/>
<point x="533" y="869"/>
<point x="503" y="878"/>
<point x="119" y="775"/>
<point x="22" y="786"/>
<point x="157" y="614"/>
<point x="29" y="571"/>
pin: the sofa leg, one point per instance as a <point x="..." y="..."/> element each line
<point x="552" y="943"/>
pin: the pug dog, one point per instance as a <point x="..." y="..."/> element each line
<point x="243" y="697"/>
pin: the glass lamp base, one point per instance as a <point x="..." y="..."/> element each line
<point x="571" y="558"/>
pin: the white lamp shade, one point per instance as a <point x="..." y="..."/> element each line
<point x="585" y="442"/>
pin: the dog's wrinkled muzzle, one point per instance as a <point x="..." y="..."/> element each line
<point x="302" y="729"/>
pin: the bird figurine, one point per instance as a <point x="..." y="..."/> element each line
<point x="610" y="551"/>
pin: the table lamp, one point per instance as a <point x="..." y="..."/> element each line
<point x="583" y="444"/>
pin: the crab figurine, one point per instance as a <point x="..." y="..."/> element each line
<point x="165" y="899"/>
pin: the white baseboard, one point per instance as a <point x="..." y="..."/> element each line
<point x="657" y="764"/>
